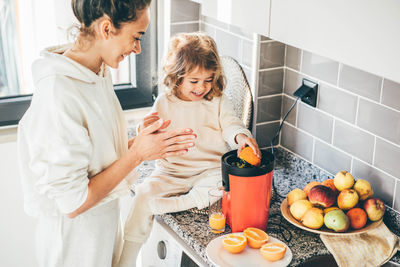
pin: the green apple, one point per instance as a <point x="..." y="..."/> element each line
<point x="337" y="220"/>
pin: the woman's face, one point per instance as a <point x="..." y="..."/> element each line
<point x="126" y="41"/>
<point x="195" y="85"/>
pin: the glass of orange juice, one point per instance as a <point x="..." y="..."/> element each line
<point x="216" y="219"/>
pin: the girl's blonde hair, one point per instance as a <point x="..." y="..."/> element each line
<point x="188" y="52"/>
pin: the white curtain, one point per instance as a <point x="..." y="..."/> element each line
<point x="9" y="82"/>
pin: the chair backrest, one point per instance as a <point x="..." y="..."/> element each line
<point x="238" y="90"/>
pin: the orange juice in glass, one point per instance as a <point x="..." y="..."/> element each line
<point x="216" y="219"/>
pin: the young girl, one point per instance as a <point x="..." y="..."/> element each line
<point x="74" y="154"/>
<point x="194" y="99"/>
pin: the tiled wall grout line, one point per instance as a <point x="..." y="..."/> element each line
<point x="338" y="74"/>
<point x="255" y="78"/>
<point x="270" y="69"/>
<point x="301" y="60"/>
<point x="346" y="122"/>
<point x="267" y="122"/>
<point x="388" y="141"/>
<point x="351" y="164"/>
<point x="184" y="22"/>
<point x="381" y="92"/>
<point x="269" y="96"/>
<point x="333" y="129"/>
<point x="297" y="113"/>
<point x="357" y="108"/>
<point x="391" y="176"/>
<point x="268" y="41"/>
<point x="394" y="194"/>
<point x="285" y="56"/>
<point x="346" y="153"/>
<point x="227" y="31"/>
<point x="294" y="153"/>
<point x="322" y="141"/>
<point x="341" y="89"/>
<point x="374" y="151"/>
<point x="280" y="121"/>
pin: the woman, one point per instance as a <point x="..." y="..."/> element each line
<point x="74" y="156"/>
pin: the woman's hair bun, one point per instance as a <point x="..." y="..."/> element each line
<point x="119" y="11"/>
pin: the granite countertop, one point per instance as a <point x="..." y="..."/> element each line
<point x="290" y="172"/>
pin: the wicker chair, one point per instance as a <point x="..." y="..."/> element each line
<point x="238" y="90"/>
<point x="239" y="93"/>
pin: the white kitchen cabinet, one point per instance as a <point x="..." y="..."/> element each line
<point x="362" y="34"/>
<point x="250" y="15"/>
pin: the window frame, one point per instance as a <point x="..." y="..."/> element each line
<point x="12" y="108"/>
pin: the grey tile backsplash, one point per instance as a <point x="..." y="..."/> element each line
<point x="391" y="94"/>
<point x="320" y="67"/>
<point x="272" y="55"/>
<point x="356" y="124"/>
<point x="269" y="108"/>
<point x="183" y="10"/>
<point x="360" y="82"/>
<point x="338" y="103"/>
<point x="270" y="82"/>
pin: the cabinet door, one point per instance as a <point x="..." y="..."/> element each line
<point x="362" y="34"/>
<point x="250" y="15"/>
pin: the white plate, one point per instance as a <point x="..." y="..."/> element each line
<point x="249" y="257"/>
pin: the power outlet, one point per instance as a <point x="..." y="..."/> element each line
<point x="308" y="92"/>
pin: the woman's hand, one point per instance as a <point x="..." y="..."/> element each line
<point x="243" y="141"/>
<point x="153" y="143"/>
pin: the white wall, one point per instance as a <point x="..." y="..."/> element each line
<point x="16" y="228"/>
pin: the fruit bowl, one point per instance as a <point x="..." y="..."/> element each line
<point x="325" y="231"/>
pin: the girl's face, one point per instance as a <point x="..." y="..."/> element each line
<point x="126" y="41"/>
<point x="195" y="85"/>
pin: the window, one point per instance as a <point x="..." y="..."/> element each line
<point x="29" y="26"/>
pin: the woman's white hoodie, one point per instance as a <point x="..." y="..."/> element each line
<point x="73" y="129"/>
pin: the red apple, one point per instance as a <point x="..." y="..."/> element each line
<point x="330" y="183"/>
<point x="322" y="196"/>
<point x="375" y="208"/>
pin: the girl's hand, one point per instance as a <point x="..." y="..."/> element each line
<point x="150" y="119"/>
<point x="243" y="141"/>
<point x="152" y="143"/>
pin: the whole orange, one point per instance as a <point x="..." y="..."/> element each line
<point x="248" y="155"/>
<point x="310" y="185"/>
<point x="358" y="218"/>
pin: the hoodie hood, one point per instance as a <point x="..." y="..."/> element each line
<point x="53" y="62"/>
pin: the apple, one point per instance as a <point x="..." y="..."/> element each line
<point x="343" y="180"/>
<point x="322" y="196"/>
<point x="294" y="195"/>
<point x="330" y="209"/>
<point x="299" y="207"/>
<point x="310" y="185"/>
<point x="375" y="208"/>
<point x="313" y="218"/>
<point x="330" y="183"/>
<point x="347" y="199"/>
<point x="337" y="220"/>
<point x="363" y="188"/>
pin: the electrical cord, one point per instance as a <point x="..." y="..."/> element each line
<point x="276" y="136"/>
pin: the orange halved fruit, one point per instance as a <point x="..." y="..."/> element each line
<point x="248" y="155"/>
<point x="255" y="237"/>
<point x="273" y="251"/>
<point x="234" y="243"/>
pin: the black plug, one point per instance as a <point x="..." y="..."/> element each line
<point x="308" y="92"/>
